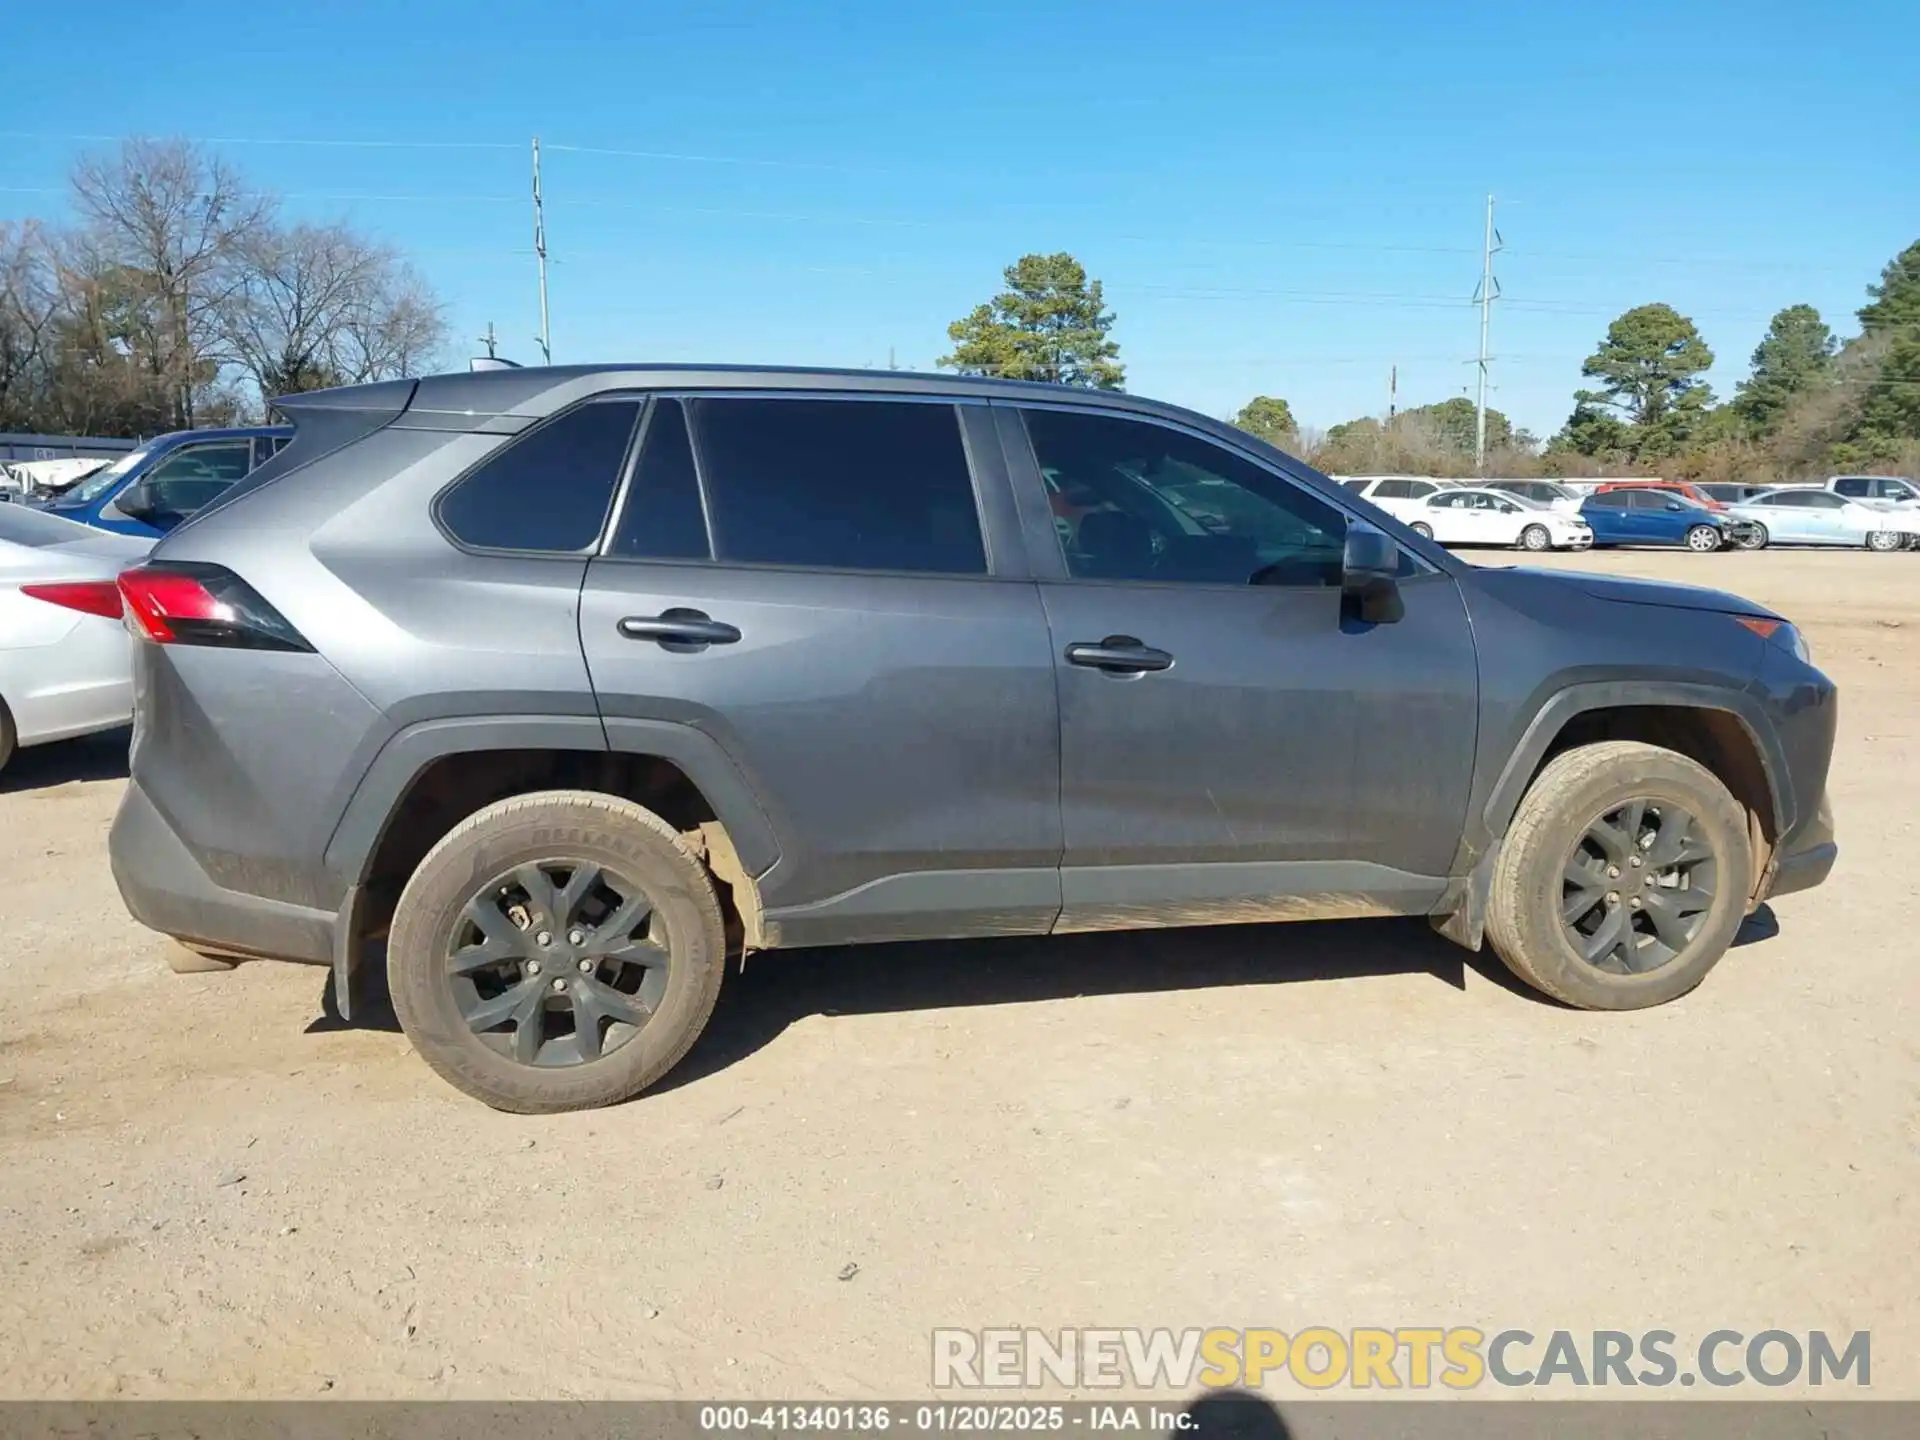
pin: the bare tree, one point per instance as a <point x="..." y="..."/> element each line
<point x="399" y="329"/>
<point x="167" y="223"/>
<point x="297" y="290"/>
<point x="29" y="306"/>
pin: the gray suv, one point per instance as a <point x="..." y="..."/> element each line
<point x="570" y="684"/>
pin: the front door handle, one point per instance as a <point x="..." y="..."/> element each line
<point x="679" y="627"/>
<point x="1118" y="655"/>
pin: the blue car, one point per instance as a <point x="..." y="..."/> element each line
<point x="1659" y="517"/>
<point x="153" y="489"/>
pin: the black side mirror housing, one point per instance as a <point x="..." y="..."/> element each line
<point x="1370" y="574"/>
<point x="136" y="501"/>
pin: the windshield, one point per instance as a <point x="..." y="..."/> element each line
<point x="1525" y="502"/>
<point x="97" y="484"/>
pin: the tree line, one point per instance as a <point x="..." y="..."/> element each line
<point x="1812" y="402"/>
<point x="180" y="296"/>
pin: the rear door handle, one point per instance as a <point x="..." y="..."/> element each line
<point x="679" y="627"/>
<point x="1118" y="655"/>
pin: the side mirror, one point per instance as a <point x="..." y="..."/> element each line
<point x="1369" y="574"/>
<point x="1675" y="505"/>
<point x="136" y="501"/>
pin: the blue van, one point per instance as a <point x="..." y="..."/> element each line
<point x="167" y="479"/>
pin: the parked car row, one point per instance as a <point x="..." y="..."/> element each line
<point x="1872" y="512"/>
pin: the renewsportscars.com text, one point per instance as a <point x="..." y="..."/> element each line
<point x="1403" y="1358"/>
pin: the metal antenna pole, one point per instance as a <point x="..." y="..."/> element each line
<point x="540" y="252"/>
<point x="1489" y="291"/>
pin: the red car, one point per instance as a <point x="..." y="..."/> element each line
<point x="1681" y="487"/>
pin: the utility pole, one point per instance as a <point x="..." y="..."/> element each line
<point x="1489" y="291"/>
<point x="489" y="341"/>
<point x="540" y="253"/>
<point x="1393" y="393"/>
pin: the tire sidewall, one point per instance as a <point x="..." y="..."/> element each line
<point x="434" y="898"/>
<point x="1705" y="548"/>
<point x="1550" y="952"/>
<point x="1883" y="542"/>
<point x="1422" y="529"/>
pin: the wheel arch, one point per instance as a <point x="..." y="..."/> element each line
<point x="1725" y="730"/>
<point x="432" y="775"/>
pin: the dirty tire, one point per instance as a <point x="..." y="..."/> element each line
<point x="1571" y="793"/>
<point x="555" y="825"/>
<point x="185" y="959"/>
<point x="1536" y="538"/>
<point x="1422" y="529"/>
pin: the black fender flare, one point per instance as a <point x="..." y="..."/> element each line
<point x="410" y="751"/>
<point x="1460" y="914"/>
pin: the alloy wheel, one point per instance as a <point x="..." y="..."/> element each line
<point x="558" y="962"/>
<point x="1703" y="538"/>
<point x="1637" y="887"/>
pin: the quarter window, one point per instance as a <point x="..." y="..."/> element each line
<point x="1138" y="501"/>
<point x="838" y="484"/>
<point x="549" y="489"/>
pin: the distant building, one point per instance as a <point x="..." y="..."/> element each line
<point x="61" y="447"/>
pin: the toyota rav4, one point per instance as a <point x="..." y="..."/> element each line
<point x="568" y="685"/>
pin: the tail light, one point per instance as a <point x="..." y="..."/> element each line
<point x="191" y="603"/>
<point x="90" y="597"/>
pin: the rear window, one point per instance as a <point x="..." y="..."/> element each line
<point x="838" y="484"/>
<point x="550" y="489"/>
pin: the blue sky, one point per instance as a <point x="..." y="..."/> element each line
<point x="1281" y="198"/>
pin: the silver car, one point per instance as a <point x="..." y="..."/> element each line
<point x="65" y="664"/>
<point x="1802" y="515"/>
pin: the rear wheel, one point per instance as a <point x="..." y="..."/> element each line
<point x="1622" y="879"/>
<point x="1535" y="537"/>
<point x="1422" y="529"/>
<point x="556" y="951"/>
<point x="7" y="735"/>
<point x="1703" y="539"/>
<point x="1883" y="541"/>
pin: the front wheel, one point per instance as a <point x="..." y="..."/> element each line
<point x="1422" y="529"/>
<point x="1753" y="539"/>
<point x="1622" y="879"/>
<point x="1703" y="539"/>
<point x="1535" y="537"/>
<point x="1883" y="541"/>
<point x="556" y="951"/>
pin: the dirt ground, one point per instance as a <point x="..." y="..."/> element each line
<point x="210" y="1189"/>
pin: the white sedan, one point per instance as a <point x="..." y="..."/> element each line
<point x="1489" y="517"/>
<point x="66" y="667"/>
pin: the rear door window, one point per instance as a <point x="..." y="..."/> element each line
<point x="838" y="484"/>
<point x="548" y="490"/>
<point x="662" y="517"/>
